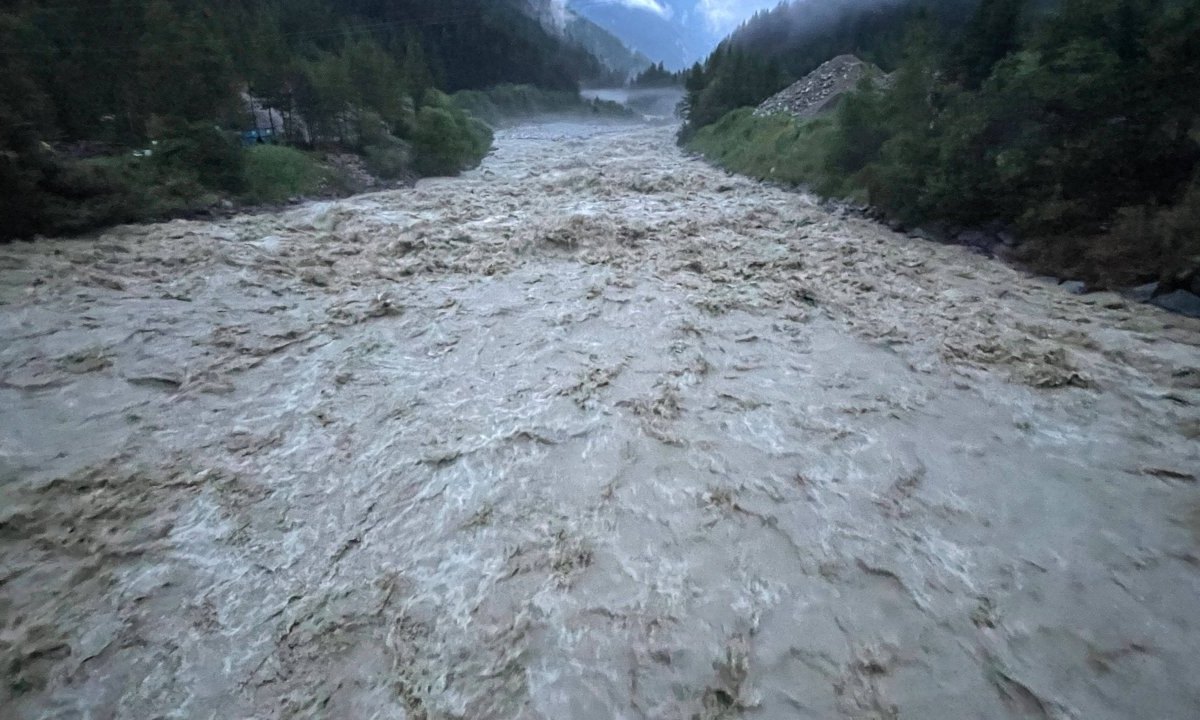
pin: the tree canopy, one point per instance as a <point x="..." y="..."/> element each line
<point x="105" y="78"/>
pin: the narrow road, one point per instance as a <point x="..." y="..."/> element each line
<point x="594" y="431"/>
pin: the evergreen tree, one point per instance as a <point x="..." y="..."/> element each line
<point x="24" y="117"/>
<point x="184" y="69"/>
<point x="989" y="37"/>
<point x="418" y="78"/>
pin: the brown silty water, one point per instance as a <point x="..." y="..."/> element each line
<point x="594" y="431"/>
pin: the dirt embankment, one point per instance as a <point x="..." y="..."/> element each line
<point x="594" y="431"/>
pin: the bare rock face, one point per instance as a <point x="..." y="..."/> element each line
<point x="820" y="90"/>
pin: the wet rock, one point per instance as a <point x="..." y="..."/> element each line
<point x="107" y="281"/>
<point x="85" y="362"/>
<point x="1142" y="293"/>
<point x="1005" y="252"/>
<point x="976" y="239"/>
<point x="973" y="237"/>
<point x="316" y="277"/>
<point x="1075" y="287"/>
<point x="164" y="381"/>
<point x="1179" y="301"/>
<point x="154" y="370"/>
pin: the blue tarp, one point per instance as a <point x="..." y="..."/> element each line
<point x="257" y="137"/>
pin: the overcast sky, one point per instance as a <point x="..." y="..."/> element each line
<point x="720" y="15"/>
<point x="725" y="15"/>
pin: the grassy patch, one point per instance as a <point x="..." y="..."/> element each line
<point x="274" y="173"/>
<point x="777" y="148"/>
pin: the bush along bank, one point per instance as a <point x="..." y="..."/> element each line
<point x="1076" y="131"/>
<point x="198" y="169"/>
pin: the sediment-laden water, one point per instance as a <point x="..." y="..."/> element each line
<point x="594" y="431"/>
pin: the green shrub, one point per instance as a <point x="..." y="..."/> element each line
<point x="478" y="104"/>
<point x="274" y="173"/>
<point x="389" y="160"/>
<point x="445" y="140"/>
<point x="386" y="155"/>
<point x="78" y="196"/>
<point x="86" y="194"/>
<point x="1145" y="243"/>
<point x="210" y="155"/>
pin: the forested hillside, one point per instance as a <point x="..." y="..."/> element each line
<point x="1075" y="124"/>
<point x="778" y="46"/>
<point x="132" y="59"/>
<point x="81" y="79"/>
<point x="620" y="62"/>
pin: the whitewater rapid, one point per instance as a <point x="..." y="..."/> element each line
<point x="593" y="431"/>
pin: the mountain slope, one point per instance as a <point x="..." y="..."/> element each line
<point x="605" y="47"/>
<point x="676" y="37"/>
<point x="802" y="34"/>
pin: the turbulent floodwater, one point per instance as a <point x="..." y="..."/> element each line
<point x="595" y="431"/>
<point x="656" y="103"/>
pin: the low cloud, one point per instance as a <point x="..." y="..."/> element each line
<point x="723" y="16"/>
<point x="653" y="6"/>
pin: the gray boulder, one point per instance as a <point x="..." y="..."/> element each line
<point x="1142" y="293"/>
<point x="1179" y="301"/>
<point x="976" y="239"/>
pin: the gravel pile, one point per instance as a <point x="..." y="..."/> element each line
<point x="821" y="89"/>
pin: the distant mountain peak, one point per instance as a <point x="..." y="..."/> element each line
<point x="666" y="31"/>
<point x="674" y="32"/>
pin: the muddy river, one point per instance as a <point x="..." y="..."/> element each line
<point x="594" y="431"/>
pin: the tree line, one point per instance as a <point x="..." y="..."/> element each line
<point x="87" y="77"/>
<point x="776" y="47"/>
<point x="657" y="76"/>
